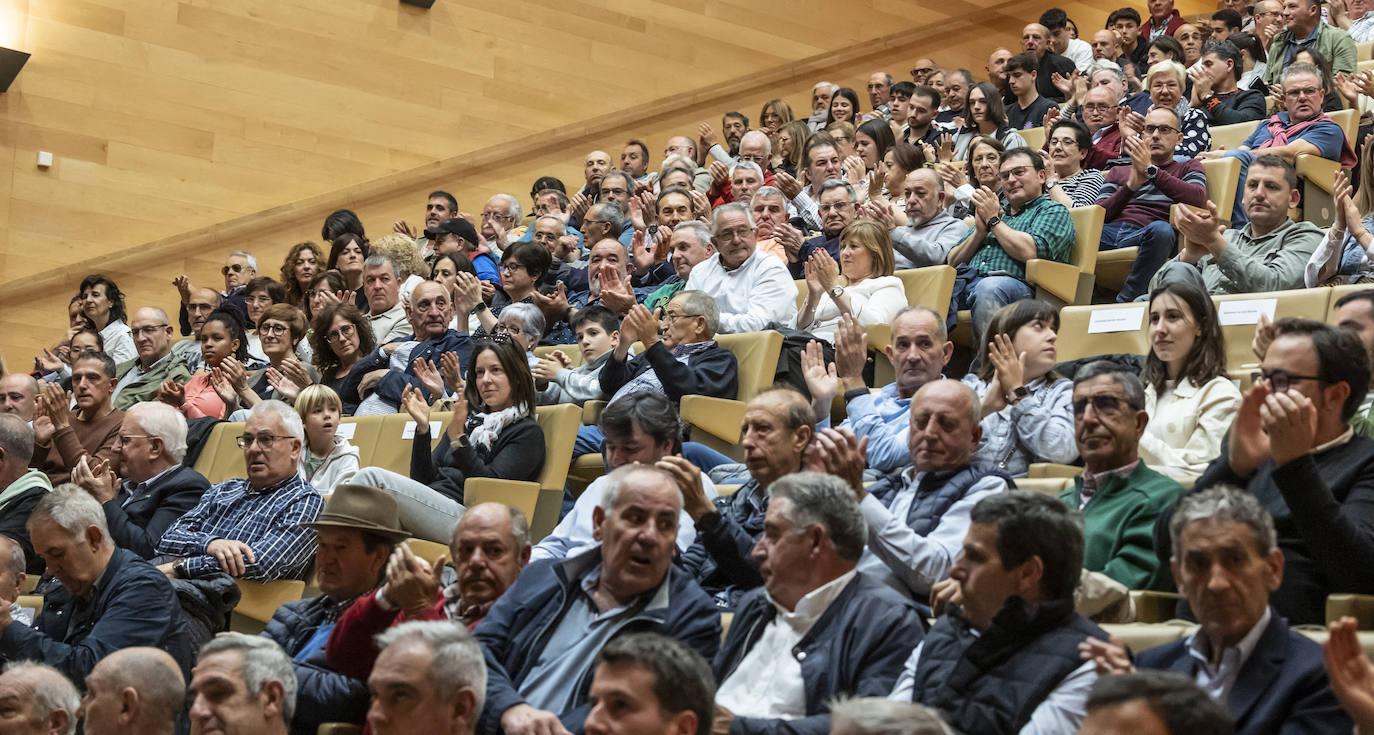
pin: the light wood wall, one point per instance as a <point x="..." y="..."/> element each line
<point x="183" y="130"/>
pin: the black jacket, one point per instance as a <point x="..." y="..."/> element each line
<point x="138" y="525"/>
<point x="719" y="557"/>
<point x="517" y="453"/>
<point x="132" y="604"/>
<point x="857" y="648"/>
<point x="1244" y="105"/>
<point x="322" y="695"/>
<point x="713" y="372"/>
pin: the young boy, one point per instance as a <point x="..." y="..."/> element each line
<point x="598" y="333"/>
<point x="327" y="459"/>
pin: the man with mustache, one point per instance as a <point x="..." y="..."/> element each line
<point x="392" y="366"/>
<point x="930" y="231"/>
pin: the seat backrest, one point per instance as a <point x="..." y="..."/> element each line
<point x="801" y="292"/>
<point x="1087" y="226"/>
<point x="1303" y="302"/>
<point x="392" y="451"/>
<point x="1034" y="137"/>
<point x="523" y="496"/>
<point x="429" y="550"/>
<point x="560" y="424"/>
<point x="222" y="459"/>
<point x="1347" y="119"/>
<point x="1231" y="136"/>
<point x="366" y="431"/>
<point x="1082" y="330"/>
<point x="929" y="287"/>
<point x="757" y="354"/>
<point x="573" y="352"/>
<point x="1223" y="175"/>
<point x="259" y="600"/>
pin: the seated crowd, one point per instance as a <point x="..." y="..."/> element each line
<point x="865" y="562"/>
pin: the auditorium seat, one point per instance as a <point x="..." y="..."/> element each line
<point x="539" y="501"/>
<point x="1229" y="137"/>
<point x="1052" y="469"/>
<point x="428" y="550"/>
<point x="1317" y="176"/>
<point x="392" y="448"/>
<point x="1051" y="486"/>
<point x="1034" y="137"/>
<point x="1139" y="636"/>
<point x="715" y="422"/>
<point x="1075" y="341"/>
<point x="1154" y="607"/>
<point x="1360" y="607"/>
<point x="222" y="459"/>
<point x="1302" y="302"/>
<point x="259" y="600"/>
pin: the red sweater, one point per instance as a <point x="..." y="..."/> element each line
<point x="352" y="649"/>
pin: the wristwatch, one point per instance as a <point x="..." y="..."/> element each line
<point x="179" y="569"/>
<point x="1017" y="394"/>
<point x="994" y="221"/>
<point x="480" y="307"/>
<point x="1151" y="171"/>
<point x="836" y="291"/>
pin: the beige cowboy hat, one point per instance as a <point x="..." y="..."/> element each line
<point x="364" y="508"/>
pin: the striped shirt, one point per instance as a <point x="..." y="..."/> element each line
<point x="268" y="520"/>
<point x="1045" y="220"/>
<point x="1083" y="187"/>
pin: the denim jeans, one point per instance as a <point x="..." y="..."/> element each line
<point x="1156" y="242"/>
<point x="984" y="295"/>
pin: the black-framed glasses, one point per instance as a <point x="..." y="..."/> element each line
<point x="1161" y="129"/>
<point x="263" y="440"/>
<point x="272" y="329"/>
<point x="1102" y="405"/>
<point x="1280" y="380"/>
<point x="347" y="330"/>
<point x="1013" y="173"/>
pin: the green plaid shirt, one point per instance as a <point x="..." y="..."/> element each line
<point x="1042" y="218"/>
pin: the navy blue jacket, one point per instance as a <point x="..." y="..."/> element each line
<point x="1282" y="689"/>
<point x="828" y="243"/>
<point x="138" y="525"/>
<point x="516" y="628"/>
<point x="133" y="605"/>
<point x="322" y="695"/>
<point x="857" y="648"/>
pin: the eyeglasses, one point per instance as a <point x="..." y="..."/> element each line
<point x="841" y="137"/>
<point x="495" y="215"/>
<point x="1013" y="173"/>
<point x="1280" y="380"/>
<point x="1102" y="405"/>
<point x="922" y="70"/>
<point x="271" y="329"/>
<point x="1160" y="129"/>
<point x="670" y="316"/>
<point x="125" y="438"/>
<point x="236" y="268"/>
<point x="149" y="330"/>
<point x="1098" y="106"/>
<point x="344" y="332"/>
<point x="743" y="233"/>
<point x="614" y="192"/>
<point x="510" y="267"/>
<point x="506" y="328"/>
<point x="1306" y="92"/>
<point x="263" y="440"/>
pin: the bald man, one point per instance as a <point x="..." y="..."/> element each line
<point x="196" y="306"/>
<point x="27" y="713"/>
<point x="1035" y="40"/>
<point x="133" y="691"/>
<point x="19" y="395"/>
<point x="140" y="378"/>
<point x="930" y="231"/>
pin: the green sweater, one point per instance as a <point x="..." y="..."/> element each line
<point x="1332" y="42"/>
<point x="145" y="386"/>
<point x="1118" y="526"/>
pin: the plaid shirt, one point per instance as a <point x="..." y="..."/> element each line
<point x="268" y="520"/>
<point x="1042" y="218"/>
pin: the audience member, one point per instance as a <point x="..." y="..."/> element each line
<point x="984" y="115"/>
<point x="440" y="206"/>
<point x="684" y="360"/>
<point x="395" y="367"/>
<point x="224" y="350"/>
<point x="39" y="700"/>
<point x="1216" y="88"/>
<point x="838" y="207"/>
<point x="134" y="691"/>
<point x="1028" y="107"/>
<point x="1167" y="83"/>
<point x="1035" y="43"/>
<point x="751" y="290"/>
<point x="690" y="244"/>
<point x="68" y="427"/>
<point x="1069" y="144"/>
<point x="281" y="327"/>
<point x="141" y="378"/>
<point x="430" y="677"/>
<point x="930" y="231"/>
<point x="1304" y="28"/>
<point x="1158" y="702"/>
<point x="327" y="459"/>
<point x="923" y="107"/>
<point x="598" y="333"/>
<point x="819" y="628"/>
<point x="870" y="292"/>
<point x="198" y="303"/>
<point x="242" y="685"/>
<point x="650" y="684"/>
<point x="880" y="716"/>
<point x="381" y="283"/>
<point x="19" y="396"/>
<point x="21" y="487"/>
<point x="346" y="255"/>
<point x="1064" y="38"/>
<point x="106" y="597"/>
<point x="103" y="305"/>
<point x="1163" y="20"/>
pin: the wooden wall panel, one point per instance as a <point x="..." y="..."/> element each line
<point x="182" y="130"/>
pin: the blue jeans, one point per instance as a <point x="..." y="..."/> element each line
<point x="984" y="295"/>
<point x="1156" y="242"/>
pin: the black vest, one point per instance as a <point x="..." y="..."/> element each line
<point x="990" y="684"/>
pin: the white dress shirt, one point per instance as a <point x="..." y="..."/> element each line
<point x="1080" y="53"/>
<point x="759" y="291"/>
<point x="768" y="681"/>
<point x="119" y="342"/>
<point x="573" y="534"/>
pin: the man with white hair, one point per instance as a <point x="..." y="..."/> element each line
<point x="133" y="691"/>
<point x="12" y="563"/>
<point x="38" y="700"/>
<point x="139" y="379"/>
<point x="820" y="105"/>
<point x="430" y="678"/>
<point x="149" y="489"/>
<point x="500" y="215"/>
<point x="751" y="289"/>
<point x="930" y="231"/>
<point x="106" y="597"/>
<point x="20" y="486"/>
<point x="251" y="528"/>
<point x="242" y="685"/>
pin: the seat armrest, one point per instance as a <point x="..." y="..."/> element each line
<point x="721" y="417"/>
<point x="1060" y="279"/>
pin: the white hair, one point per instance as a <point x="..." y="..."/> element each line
<point x="677" y="161"/>
<point x="515" y="212"/>
<point x="456" y="661"/>
<point x="263" y="662"/>
<point x="881" y="716"/>
<point x="252" y="262"/>
<point x="71" y="509"/>
<point x="164" y="422"/>
<point x="52" y="690"/>
<point x="737" y="207"/>
<point x="562" y="226"/>
<point x="748" y="165"/>
<point x="288" y="416"/>
<point x="17" y="562"/>
<point x="831" y="88"/>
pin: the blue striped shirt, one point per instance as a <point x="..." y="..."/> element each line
<point x="268" y="520"/>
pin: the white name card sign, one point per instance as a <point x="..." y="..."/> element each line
<point x="409" y="431"/>
<point x="346" y="430"/>
<point x="1103" y="321"/>
<point x="1247" y="311"/>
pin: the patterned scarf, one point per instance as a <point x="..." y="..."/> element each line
<point x="492" y="424"/>
<point x="647" y="379"/>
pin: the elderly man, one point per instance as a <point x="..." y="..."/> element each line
<point x="151" y="488"/>
<point x="356" y="533"/>
<point x="996" y="69"/>
<point x="251" y="528"/>
<point x="776" y="429"/>
<point x="381" y="285"/>
<point x="838" y="207"/>
<point x="134" y="691"/>
<point x="820" y="105"/>
<point x="650" y="684"/>
<point x="930" y="231"/>
<point x="1214" y="87"/>
<point x="1163" y="20"/>
<point x="458" y="236"/>
<point x="198" y="304"/>
<point x="19" y="395"/>
<point x="242" y="685"/>
<point x="140" y="379"/>
<point x="683" y="360"/>
<point x="1226" y="559"/>
<point x="681" y="146"/>
<point x="819" y="628"/>
<point x="1302" y="128"/>
<point x="996" y="249"/>
<point x="1100" y="115"/>
<point x="775" y="233"/>
<point x="62" y="438"/>
<point x="540" y="637"/>
<point x="1303" y="29"/>
<point x="20" y="486"/>
<point x="239" y="268"/>
<point x="500" y="215"/>
<point x="38" y="700"/>
<point x="1152" y="702"/>
<point x="957" y="84"/>
<point x="430" y="678"/>
<point x="751" y="289"/>
<point x="12" y="564"/>
<point x="879" y="92"/>
<point x="1119" y="496"/>
<point x="689" y="244"/>
<point x="1138" y="198"/>
<point x="489" y="548"/>
<point x="919" y="350"/>
<point x="1269" y="252"/>
<point x="1291" y="447"/>
<point x="1004" y="657"/>
<point x="107" y="598"/>
<point x="917" y="519"/>
<point x="821" y="163"/>
<point x="391" y="367"/>
<point x="1035" y="43"/>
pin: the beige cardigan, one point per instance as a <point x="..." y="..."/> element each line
<point x="1187" y="426"/>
